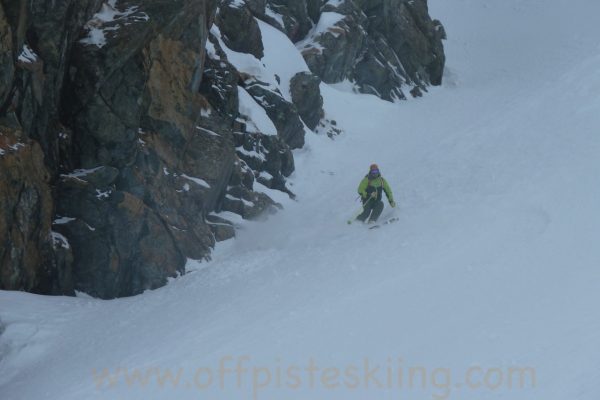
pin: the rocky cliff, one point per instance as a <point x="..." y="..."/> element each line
<point x="127" y="128"/>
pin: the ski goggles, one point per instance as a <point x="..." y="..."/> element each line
<point x="374" y="172"/>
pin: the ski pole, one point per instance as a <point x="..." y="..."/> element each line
<point x="362" y="209"/>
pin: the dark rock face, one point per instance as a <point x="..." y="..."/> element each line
<point x="134" y="107"/>
<point x="296" y="20"/>
<point x="27" y="240"/>
<point x="306" y="95"/>
<point x="381" y="45"/>
<point x="337" y="42"/>
<point x="313" y="7"/>
<point x="412" y="35"/>
<point x="124" y="242"/>
<point x="7" y="67"/>
<point x="268" y="157"/>
<point x="264" y="158"/>
<point x="121" y="138"/>
<point x="283" y="114"/>
<point x="126" y="139"/>
<point x="239" y="28"/>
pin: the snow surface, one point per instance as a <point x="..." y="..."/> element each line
<point x="80" y="174"/>
<point x="492" y="265"/>
<point x="63" y="220"/>
<point x="275" y="15"/>
<point x="327" y="21"/>
<point x="243" y="62"/>
<point x="59" y="240"/>
<point x="197" y="181"/>
<point x="256" y="117"/>
<point x="277" y="44"/>
<point x="27" y="55"/>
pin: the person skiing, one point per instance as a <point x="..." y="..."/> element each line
<point x="371" y="190"/>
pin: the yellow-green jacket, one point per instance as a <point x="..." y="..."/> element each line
<point x="378" y="184"/>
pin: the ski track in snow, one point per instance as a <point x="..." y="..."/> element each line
<point x="493" y="263"/>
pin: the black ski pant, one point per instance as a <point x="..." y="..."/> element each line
<point x="372" y="208"/>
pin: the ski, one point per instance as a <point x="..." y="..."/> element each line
<point x="386" y="222"/>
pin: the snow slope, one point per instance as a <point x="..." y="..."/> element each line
<point x="493" y="266"/>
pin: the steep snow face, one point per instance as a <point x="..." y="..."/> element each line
<point x="281" y="57"/>
<point x="486" y="288"/>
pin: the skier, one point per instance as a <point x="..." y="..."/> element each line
<point x="371" y="190"/>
